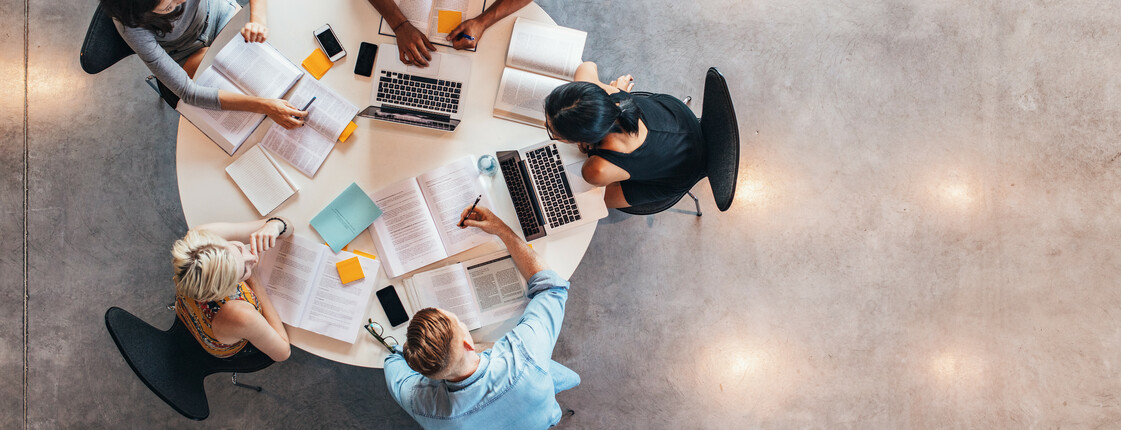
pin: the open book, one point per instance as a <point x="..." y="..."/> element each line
<point x="255" y="69"/>
<point x="307" y="147"/>
<point x="304" y="286"/>
<point x="480" y="292"/>
<point x="261" y="180"/>
<point x="435" y="18"/>
<point x="541" y="57"/>
<point x="420" y="222"/>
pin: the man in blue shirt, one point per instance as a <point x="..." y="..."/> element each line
<point x="443" y="383"/>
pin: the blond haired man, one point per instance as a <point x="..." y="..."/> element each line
<point x="443" y="382"/>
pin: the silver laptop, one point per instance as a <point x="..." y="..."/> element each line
<point x="548" y="191"/>
<point x="428" y="97"/>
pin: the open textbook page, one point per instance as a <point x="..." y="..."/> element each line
<point x="540" y="58"/>
<point x="255" y="69"/>
<point x="436" y="18"/>
<point x="307" y="147"/>
<point x="481" y="291"/>
<point x="304" y="286"/>
<point x="448" y="191"/>
<point x="421" y="216"/>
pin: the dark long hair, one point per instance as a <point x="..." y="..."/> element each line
<point x="584" y="112"/>
<point x="138" y="13"/>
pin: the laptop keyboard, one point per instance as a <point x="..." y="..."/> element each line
<point x="552" y="185"/>
<point x="419" y="92"/>
<point x="524" y="203"/>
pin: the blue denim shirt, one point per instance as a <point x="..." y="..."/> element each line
<point x="511" y="389"/>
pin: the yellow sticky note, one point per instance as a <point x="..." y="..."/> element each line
<point x="317" y="63"/>
<point x="350" y="270"/>
<point x="364" y="254"/>
<point x="447" y="20"/>
<point x="348" y="131"/>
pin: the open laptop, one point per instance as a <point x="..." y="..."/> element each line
<point x="548" y="192"/>
<point x="428" y="97"/>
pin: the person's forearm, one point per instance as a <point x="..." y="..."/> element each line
<point x="528" y="262"/>
<point x="269" y="312"/>
<point x="240" y="102"/>
<point x="258" y="12"/>
<point x="389" y="10"/>
<point x="240" y="231"/>
<point x="501" y="9"/>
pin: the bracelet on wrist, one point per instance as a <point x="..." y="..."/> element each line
<point x="399" y="26"/>
<point x="283" y="225"/>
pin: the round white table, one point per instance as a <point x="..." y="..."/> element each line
<point x="378" y="154"/>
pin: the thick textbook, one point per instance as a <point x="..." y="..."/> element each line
<point x="481" y="291"/>
<point x="540" y="58"/>
<point x="255" y="69"/>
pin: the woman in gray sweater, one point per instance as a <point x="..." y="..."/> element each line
<point x="171" y="36"/>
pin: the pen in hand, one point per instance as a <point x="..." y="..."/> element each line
<point x="464" y="36"/>
<point x="470" y="212"/>
<point x="306" y="106"/>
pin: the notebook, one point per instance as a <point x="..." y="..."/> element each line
<point x="262" y="181"/>
<point x="548" y="191"/>
<point x="425" y="97"/>
<point x="435" y="18"/>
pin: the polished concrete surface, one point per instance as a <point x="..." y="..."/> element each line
<point x="924" y="233"/>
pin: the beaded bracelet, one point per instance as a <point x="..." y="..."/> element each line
<point x="284" y="225"/>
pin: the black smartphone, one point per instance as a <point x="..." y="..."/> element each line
<point x="366" y="54"/>
<point x="391" y="304"/>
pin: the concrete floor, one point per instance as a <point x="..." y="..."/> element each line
<point x="923" y="237"/>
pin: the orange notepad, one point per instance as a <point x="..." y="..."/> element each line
<point x="350" y="270"/>
<point x="347" y="131"/>
<point x="317" y="63"/>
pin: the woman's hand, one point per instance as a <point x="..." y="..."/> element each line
<point x="413" y="46"/>
<point x="625" y="83"/>
<point x="472" y="27"/>
<point x="265" y="237"/>
<point x="254" y="32"/>
<point x="283" y="113"/>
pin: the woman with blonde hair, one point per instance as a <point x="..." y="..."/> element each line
<point x="215" y="294"/>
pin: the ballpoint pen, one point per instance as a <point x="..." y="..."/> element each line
<point x="307" y="105"/>
<point x="464" y="36"/>
<point x="470" y="212"/>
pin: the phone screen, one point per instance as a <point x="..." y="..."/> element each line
<point x="392" y="306"/>
<point x="329" y="43"/>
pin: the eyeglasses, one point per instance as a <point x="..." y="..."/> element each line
<point x="550" y="132"/>
<point x="376" y="330"/>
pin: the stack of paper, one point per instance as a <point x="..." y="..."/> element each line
<point x="261" y="179"/>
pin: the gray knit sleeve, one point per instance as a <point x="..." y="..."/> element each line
<point x="167" y="70"/>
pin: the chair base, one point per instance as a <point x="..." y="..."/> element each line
<point x="653" y="208"/>
<point x="251" y="387"/>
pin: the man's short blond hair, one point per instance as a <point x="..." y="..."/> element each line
<point x="204" y="268"/>
<point x="428" y="348"/>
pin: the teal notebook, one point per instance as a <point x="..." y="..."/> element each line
<point x="342" y="220"/>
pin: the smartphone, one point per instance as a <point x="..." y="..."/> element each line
<point x="391" y="304"/>
<point x="366" y="54"/>
<point x="330" y="44"/>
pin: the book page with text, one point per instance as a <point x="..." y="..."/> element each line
<point x="329" y="114"/>
<point x="449" y="289"/>
<point x="303" y="147"/>
<point x="257" y="68"/>
<point x="499" y="288"/>
<point x="261" y="180"/>
<point x="335" y="309"/>
<point x="405" y="235"/>
<point x="545" y="48"/>
<point x="231" y="126"/>
<point x="449" y="190"/>
<point x="523" y="94"/>
<point x="289" y="270"/>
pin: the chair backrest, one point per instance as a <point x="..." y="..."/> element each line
<point x="103" y="46"/>
<point x="722" y="138"/>
<point x="172" y="363"/>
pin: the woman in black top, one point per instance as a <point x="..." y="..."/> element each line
<point x="643" y="148"/>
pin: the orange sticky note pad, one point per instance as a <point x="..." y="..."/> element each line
<point x="350" y="270"/>
<point x="447" y="20"/>
<point x="317" y="63"/>
<point x="348" y="131"/>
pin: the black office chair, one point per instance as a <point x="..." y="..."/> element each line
<point x="104" y="47"/>
<point x="722" y="149"/>
<point x="173" y="364"/>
